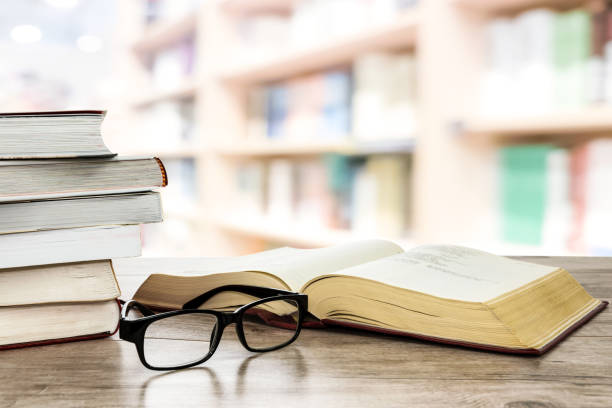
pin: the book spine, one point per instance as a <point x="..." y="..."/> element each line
<point x="596" y="63"/>
<point x="578" y="169"/>
<point x="164" y="174"/>
<point x="524" y="174"/>
<point x="608" y="55"/>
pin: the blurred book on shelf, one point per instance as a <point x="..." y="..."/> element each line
<point x="314" y="205"/>
<point x="524" y="174"/>
<point x="384" y="96"/>
<point x="164" y="126"/>
<point x="170" y="66"/>
<point x="309" y="107"/>
<point x="557" y="198"/>
<point x="262" y="34"/>
<point x="545" y="61"/>
<point x="163" y="10"/>
<point x="180" y="197"/>
<point x="359" y="194"/>
<point x="593" y="176"/>
<point x="281" y="190"/>
<point x="373" y="101"/>
<point x="249" y="195"/>
<point x="318" y="21"/>
<point x="309" y="23"/>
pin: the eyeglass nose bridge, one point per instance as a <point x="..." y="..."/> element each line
<point x="228" y="318"/>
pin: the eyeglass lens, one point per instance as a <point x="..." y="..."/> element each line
<point x="179" y="340"/>
<point x="270" y="324"/>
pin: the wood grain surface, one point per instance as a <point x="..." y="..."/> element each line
<point x="333" y="367"/>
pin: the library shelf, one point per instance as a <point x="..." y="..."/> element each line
<point x="346" y="148"/>
<point x="296" y="234"/>
<point x="173" y="152"/>
<point x="164" y="33"/>
<point x="187" y="89"/>
<point x="510" y="6"/>
<point x="257" y="6"/>
<point x="593" y="120"/>
<point x="395" y="35"/>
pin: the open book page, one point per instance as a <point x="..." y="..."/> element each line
<point x="310" y="263"/>
<point x="294" y="266"/>
<point x="198" y="266"/>
<point x="451" y="272"/>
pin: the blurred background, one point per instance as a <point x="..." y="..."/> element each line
<point x="312" y="122"/>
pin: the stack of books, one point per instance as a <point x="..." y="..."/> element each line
<point x="67" y="207"/>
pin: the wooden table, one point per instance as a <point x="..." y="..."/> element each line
<point x="324" y="368"/>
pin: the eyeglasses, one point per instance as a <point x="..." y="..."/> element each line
<point x="188" y="337"/>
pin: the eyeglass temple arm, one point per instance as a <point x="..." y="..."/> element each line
<point x="257" y="291"/>
<point x="135" y="305"/>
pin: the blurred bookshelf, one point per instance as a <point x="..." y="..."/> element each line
<point x="280" y="149"/>
<point x="589" y="120"/>
<point x="161" y="34"/>
<point x="397" y="34"/>
<point x="300" y="235"/>
<point x="255" y="6"/>
<point x="310" y="123"/>
<point x="513" y="6"/>
<point x="187" y="89"/>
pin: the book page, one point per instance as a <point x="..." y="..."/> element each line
<point x="294" y="266"/>
<point x="451" y="272"/>
<point x="72" y="282"/>
<point x="310" y="263"/>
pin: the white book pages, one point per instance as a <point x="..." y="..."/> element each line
<point x="69" y="245"/>
<point x="51" y="135"/>
<point x="23" y="179"/>
<point x="25" y="324"/>
<point x="451" y="272"/>
<point x="74" y="212"/>
<point x="72" y="282"/>
<point x="294" y="266"/>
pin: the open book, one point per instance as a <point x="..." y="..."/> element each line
<point x="448" y="294"/>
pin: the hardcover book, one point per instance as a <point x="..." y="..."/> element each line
<point x="57" y="303"/>
<point x="69" y="245"/>
<point x="75" y="212"/>
<point x="39" y="179"/>
<point x="37" y="135"/>
<point x="447" y="294"/>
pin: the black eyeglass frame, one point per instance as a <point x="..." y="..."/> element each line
<point x="133" y="330"/>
